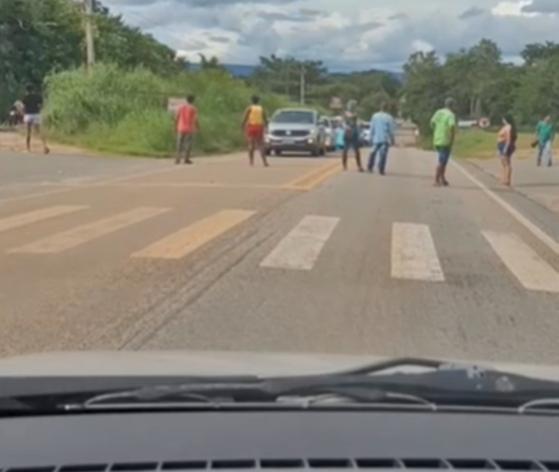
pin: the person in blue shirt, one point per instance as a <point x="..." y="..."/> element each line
<point x="382" y="137"/>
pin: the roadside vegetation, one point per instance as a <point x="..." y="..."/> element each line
<point x="116" y="110"/>
<point x="483" y="84"/>
<point x="121" y="106"/>
<point x="482" y="144"/>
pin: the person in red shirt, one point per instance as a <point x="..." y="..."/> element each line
<point x="187" y="126"/>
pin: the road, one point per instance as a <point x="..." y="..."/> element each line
<point x="137" y="254"/>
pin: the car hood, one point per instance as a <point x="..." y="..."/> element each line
<point x="291" y="126"/>
<point x="187" y="363"/>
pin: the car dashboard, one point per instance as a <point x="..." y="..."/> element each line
<point x="279" y="441"/>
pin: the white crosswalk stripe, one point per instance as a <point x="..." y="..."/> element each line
<point x="300" y="249"/>
<point x="25" y="219"/>
<point x="413" y="251"/>
<point x="414" y="256"/>
<point x="85" y="233"/>
<point x="527" y="266"/>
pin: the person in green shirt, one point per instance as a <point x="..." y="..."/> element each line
<point x="545" y="133"/>
<point x="443" y="124"/>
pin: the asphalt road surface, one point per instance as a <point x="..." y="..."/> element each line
<point x="103" y="254"/>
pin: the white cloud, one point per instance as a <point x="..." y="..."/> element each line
<point x="419" y="45"/>
<point x="345" y="34"/>
<point x="512" y="8"/>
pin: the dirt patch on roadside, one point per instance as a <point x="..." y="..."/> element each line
<point x="14" y="141"/>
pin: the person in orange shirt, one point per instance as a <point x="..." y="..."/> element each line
<point x="254" y="124"/>
<point x="187" y="126"/>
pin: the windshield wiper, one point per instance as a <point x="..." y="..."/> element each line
<point x="436" y="385"/>
<point x="409" y="382"/>
<point x="227" y="395"/>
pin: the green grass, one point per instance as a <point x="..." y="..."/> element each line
<point x="480" y="144"/>
<point x="124" y="112"/>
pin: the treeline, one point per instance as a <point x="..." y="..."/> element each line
<point x="41" y="37"/>
<point x="285" y="75"/>
<point x="483" y="84"/>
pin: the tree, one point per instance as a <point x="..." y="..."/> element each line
<point x="35" y="39"/>
<point x="283" y="75"/>
<point x="41" y="37"/>
<point x="537" y="92"/>
<point x="210" y="64"/>
<point x="425" y="88"/>
<point x="537" y="52"/>
<point x="484" y="76"/>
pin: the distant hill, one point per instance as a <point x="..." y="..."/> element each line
<point x="399" y="76"/>
<point x="236" y="70"/>
<point x="244" y="71"/>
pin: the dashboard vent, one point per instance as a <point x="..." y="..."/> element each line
<point x="83" y="468"/>
<point x="184" y="465"/>
<point x="308" y="464"/>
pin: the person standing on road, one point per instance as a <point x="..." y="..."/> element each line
<point x="352" y="140"/>
<point x="340" y="138"/>
<point x="254" y="125"/>
<point x="545" y="134"/>
<point x="32" y="106"/>
<point x="506" y="144"/>
<point x="382" y="137"/>
<point x="443" y="124"/>
<point x="187" y="126"/>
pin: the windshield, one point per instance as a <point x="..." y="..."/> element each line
<point x="295" y="117"/>
<point x="249" y="189"/>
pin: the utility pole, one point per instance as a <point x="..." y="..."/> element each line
<point x="90" y="46"/>
<point x="303" y="85"/>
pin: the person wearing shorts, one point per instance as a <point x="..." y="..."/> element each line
<point x="254" y="125"/>
<point x="443" y="124"/>
<point x="32" y="105"/>
<point x="506" y="147"/>
<point x="186" y="125"/>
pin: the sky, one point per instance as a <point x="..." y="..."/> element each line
<point x="345" y="34"/>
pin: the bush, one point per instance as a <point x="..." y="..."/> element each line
<point x="125" y="111"/>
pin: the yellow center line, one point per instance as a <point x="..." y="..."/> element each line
<point x="210" y="185"/>
<point x="314" y="178"/>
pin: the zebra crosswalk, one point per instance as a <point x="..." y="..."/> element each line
<point x="414" y="254"/>
<point x="300" y="249"/>
<point x="191" y="238"/>
<point x="85" y="233"/>
<point x="24" y="219"/>
<point x="525" y="264"/>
